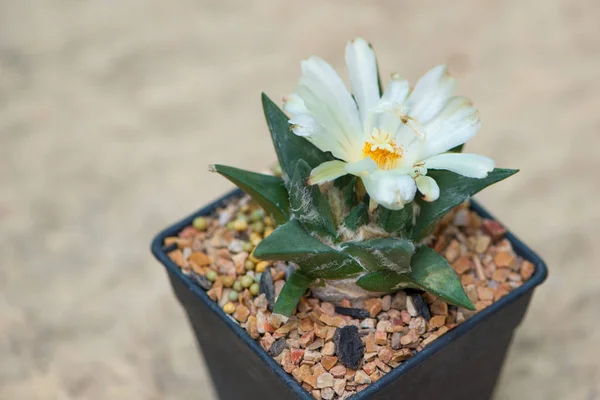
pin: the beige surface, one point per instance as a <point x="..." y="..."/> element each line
<point x="110" y="112"/>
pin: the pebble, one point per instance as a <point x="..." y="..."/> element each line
<point x="325" y="380"/>
<point x="327" y="393"/>
<point x="494" y="229"/>
<point x="200" y="280"/>
<point x="361" y="377"/>
<point x="482" y="244"/>
<point x="437" y="321"/>
<point x="399" y="301"/>
<point x="396" y="340"/>
<point x="357" y="313"/>
<point x="504" y="259"/>
<point x="338" y="386"/>
<point x="461" y="265"/>
<point x="416" y="306"/>
<point x="418" y="324"/>
<point x="385" y="354"/>
<point x="348" y="346"/>
<point x="386" y="303"/>
<point x="277" y="347"/>
<point x="328" y="362"/>
<point x="328" y="349"/>
<point x="266" y="287"/>
<point x="338" y="371"/>
<point x="485" y="293"/>
<point x="527" y="270"/>
<point x="373" y="306"/>
<point x="241" y="313"/>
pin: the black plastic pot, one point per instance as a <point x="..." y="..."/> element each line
<point x="462" y="364"/>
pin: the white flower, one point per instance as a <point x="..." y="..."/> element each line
<point x="390" y="141"/>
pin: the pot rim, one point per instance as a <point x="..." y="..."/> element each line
<point x="540" y="274"/>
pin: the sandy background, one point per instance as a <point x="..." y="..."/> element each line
<point x="111" y="110"/>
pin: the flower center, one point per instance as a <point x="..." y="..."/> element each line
<point x="382" y="149"/>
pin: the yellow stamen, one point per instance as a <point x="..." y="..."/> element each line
<point x="382" y="149"/>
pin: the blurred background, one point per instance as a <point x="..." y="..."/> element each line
<point x="110" y="112"/>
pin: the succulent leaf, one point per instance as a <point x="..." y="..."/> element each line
<point x="454" y="189"/>
<point x="429" y="271"/>
<point x="268" y="191"/>
<point x="294" y="288"/>
<point x="289" y="147"/>
<point x="398" y="222"/>
<point x="358" y="216"/>
<point x="392" y="254"/>
<point x="291" y="242"/>
<point x="308" y="204"/>
<point x="346" y="184"/>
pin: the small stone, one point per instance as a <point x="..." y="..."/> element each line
<point x="328" y="362"/>
<point x="482" y="243"/>
<point x="439" y="307"/>
<point x="410" y="337"/>
<point x="267" y="341"/>
<point x="328" y="349"/>
<point x="200" y="280"/>
<point x="370" y="356"/>
<point x="385" y="326"/>
<point x="478" y="268"/>
<point x="296" y="355"/>
<point x="373" y="305"/>
<point x="241" y="313"/>
<point x="357" y="313"/>
<point x="471" y="291"/>
<point x="328" y="308"/>
<point x="501" y="275"/>
<point x="338" y="386"/>
<point x="416" y="306"/>
<point x="312" y="355"/>
<point x="370" y="367"/>
<point x="382" y="366"/>
<point x="277" y="347"/>
<point x="348" y="346"/>
<point x="452" y="251"/>
<point x="311" y="380"/>
<point x="418" y="324"/>
<point x="461" y="265"/>
<point x="527" y="270"/>
<point x="200" y="259"/>
<point x="368" y="323"/>
<point x="429" y="339"/>
<point x="399" y="301"/>
<point x="504" y="259"/>
<point x="514" y="277"/>
<point x="385" y="354"/>
<point x="267" y="288"/>
<point x="338" y="371"/>
<point x="480" y="305"/>
<point x="316" y="394"/>
<point x="327" y="393"/>
<point x="375" y="376"/>
<point x="361" y="377"/>
<point x="370" y="345"/>
<point x="325" y="380"/>
<point x="437" y="321"/>
<point x="485" y="293"/>
<point x="396" y="340"/>
<point x="251" y="327"/>
<point x="405" y="316"/>
<point x="318" y="343"/>
<point x="380" y="337"/>
<point x="386" y="303"/>
<point x="494" y="229"/>
<point x="307" y="338"/>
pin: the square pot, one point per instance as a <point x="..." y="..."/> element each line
<point x="462" y="364"/>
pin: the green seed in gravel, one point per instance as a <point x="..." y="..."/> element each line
<point x="233" y="295"/>
<point x="237" y="286"/>
<point x="257" y="277"/>
<point x="246" y="281"/>
<point x="254" y="289"/>
<point x="240" y="225"/>
<point x="257" y="215"/>
<point x="211" y="275"/>
<point x="258" y="227"/>
<point x="247" y="247"/>
<point x="200" y="223"/>
<point x="249" y="265"/>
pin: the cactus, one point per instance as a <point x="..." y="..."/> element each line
<point x="341" y="249"/>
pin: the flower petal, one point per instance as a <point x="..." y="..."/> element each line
<point x="390" y="189"/>
<point x="455" y="125"/>
<point x="329" y="102"/>
<point x="364" y="166"/>
<point x="327" y="172"/>
<point x="294" y="104"/>
<point x="431" y="94"/>
<point x="469" y="165"/>
<point x="429" y="187"/>
<point x="362" y="69"/>
<point x="390" y="107"/>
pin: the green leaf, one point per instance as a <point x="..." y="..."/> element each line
<point x="346" y="184"/>
<point x="289" y="147"/>
<point x="454" y="189"/>
<point x="382" y="254"/>
<point x="396" y="221"/>
<point x="292" y="291"/>
<point x="291" y="242"/>
<point x="268" y="191"/>
<point x="457" y="149"/>
<point x="358" y="216"/>
<point x="308" y="204"/>
<point x="429" y="271"/>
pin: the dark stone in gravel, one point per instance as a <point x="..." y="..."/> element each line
<point x="348" y="346"/>
<point x="200" y="280"/>
<point x="421" y="306"/>
<point x="266" y="287"/>
<point x="277" y="347"/>
<point x="358" y="313"/>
